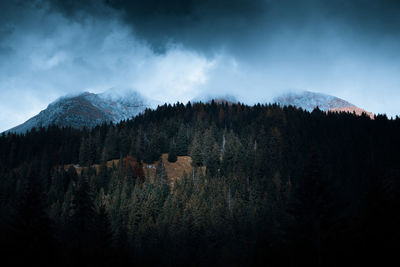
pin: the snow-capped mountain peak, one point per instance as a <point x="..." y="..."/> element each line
<point x="310" y="100"/>
<point x="88" y="110"/>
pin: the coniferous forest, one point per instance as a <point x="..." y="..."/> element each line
<point x="268" y="186"/>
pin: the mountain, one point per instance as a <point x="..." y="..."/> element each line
<point x="219" y="99"/>
<point x="88" y="110"/>
<point x="310" y="100"/>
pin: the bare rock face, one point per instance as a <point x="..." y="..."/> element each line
<point x="310" y="100"/>
<point x="87" y="110"/>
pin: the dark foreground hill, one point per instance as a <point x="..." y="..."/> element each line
<point x="267" y="186"/>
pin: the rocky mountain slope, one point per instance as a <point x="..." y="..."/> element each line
<point x="310" y="100"/>
<point x="88" y="110"/>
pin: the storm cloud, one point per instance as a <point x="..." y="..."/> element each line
<point x="234" y="24"/>
<point x="176" y="50"/>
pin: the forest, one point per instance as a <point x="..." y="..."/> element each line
<point x="268" y="185"/>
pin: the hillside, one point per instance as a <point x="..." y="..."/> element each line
<point x="269" y="185"/>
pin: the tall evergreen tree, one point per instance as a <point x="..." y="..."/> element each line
<point x="311" y="205"/>
<point x="182" y="141"/>
<point x="172" y="157"/>
<point x="104" y="237"/>
<point x="161" y="172"/>
<point x="84" y="152"/>
<point x="196" y="151"/>
<point x="81" y="223"/>
<point x="29" y="237"/>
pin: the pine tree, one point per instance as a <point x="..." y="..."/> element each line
<point x="161" y="172"/>
<point x="84" y="152"/>
<point x="213" y="161"/>
<point x="92" y="150"/>
<point x="152" y="152"/>
<point x="102" y="178"/>
<point x="196" y="153"/>
<point x="111" y="145"/>
<point x="182" y="141"/>
<point x="124" y="142"/>
<point x="70" y="177"/>
<point x="30" y="234"/>
<point x="140" y="145"/>
<point x="81" y="221"/>
<point x="172" y="153"/>
<point x="231" y="154"/>
<point x="104" y="237"/>
<point x="310" y="207"/>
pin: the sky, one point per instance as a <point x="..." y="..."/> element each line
<point x="177" y="50"/>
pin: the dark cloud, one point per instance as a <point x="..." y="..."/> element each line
<point x="78" y="9"/>
<point x="378" y="17"/>
<point x="203" y="25"/>
<point x="200" y="24"/>
<point x="233" y="24"/>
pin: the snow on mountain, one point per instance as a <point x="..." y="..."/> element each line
<point x="217" y="99"/>
<point x="310" y="100"/>
<point x="88" y="110"/>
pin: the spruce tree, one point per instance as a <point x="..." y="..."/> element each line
<point x="310" y="206"/>
<point x="196" y="153"/>
<point x="124" y="143"/>
<point x="84" y="152"/>
<point x="172" y="153"/>
<point x="161" y="172"/>
<point x="213" y="160"/>
<point x="81" y="222"/>
<point x="29" y="236"/>
<point x="182" y="141"/>
<point x="104" y="237"/>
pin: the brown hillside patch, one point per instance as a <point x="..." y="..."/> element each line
<point x="175" y="170"/>
<point x="78" y="168"/>
<point x="112" y="163"/>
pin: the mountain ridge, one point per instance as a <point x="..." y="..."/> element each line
<point x="89" y="109"/>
